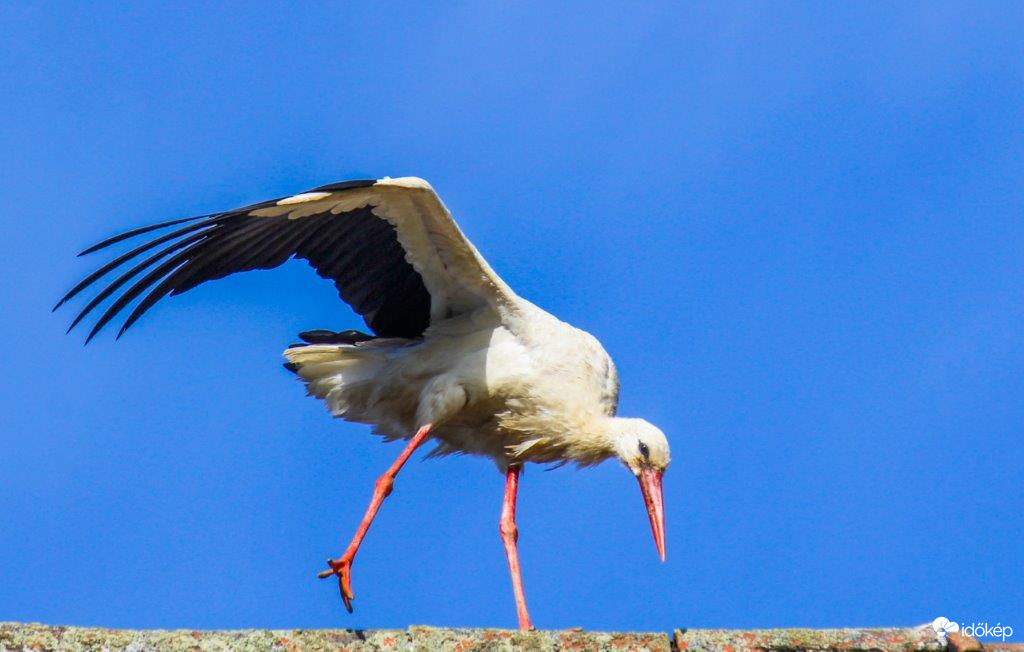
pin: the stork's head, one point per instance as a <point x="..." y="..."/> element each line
<point x="642" y="447"/>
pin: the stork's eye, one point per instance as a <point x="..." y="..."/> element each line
<point x="646" y="452"/>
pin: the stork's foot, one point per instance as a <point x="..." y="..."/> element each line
<point x="342" y="568"/>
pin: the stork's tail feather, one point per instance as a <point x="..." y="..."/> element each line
<point x="341" y="374"/>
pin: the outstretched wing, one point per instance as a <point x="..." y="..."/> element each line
<point x="391" y="247"/>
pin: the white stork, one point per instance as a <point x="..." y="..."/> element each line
<point x="455" y="356"/>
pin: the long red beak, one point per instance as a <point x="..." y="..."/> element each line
<point x="650" y="486"/>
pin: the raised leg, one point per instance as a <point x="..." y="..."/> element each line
<point x="509" y="536"/>
<point x="342" y="567"/>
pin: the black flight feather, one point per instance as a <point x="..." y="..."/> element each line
<point x="358" y="250"/>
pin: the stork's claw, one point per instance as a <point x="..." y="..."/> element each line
<point x="343" y="569"/>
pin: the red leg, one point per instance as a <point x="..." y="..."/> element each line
<point x="509" y="536"/>
<point x="342" y="567"/>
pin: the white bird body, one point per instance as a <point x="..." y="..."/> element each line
<point x="455" y="354"/>
<point x="540" y="391"/>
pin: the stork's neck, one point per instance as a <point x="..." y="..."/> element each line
<point x="593" y="440"/>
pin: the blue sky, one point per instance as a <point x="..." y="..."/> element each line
<point x="797" y="228"/>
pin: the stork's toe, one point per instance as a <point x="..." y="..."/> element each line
<point x="343" y="569"/>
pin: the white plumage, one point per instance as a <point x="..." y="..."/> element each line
<point x="456" y="356"/>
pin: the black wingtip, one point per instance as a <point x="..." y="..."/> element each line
<point x="76" y="321"/>
<point x="139" y="231"/>
<point x="64" y="299"/>
<point x="94" y="248"/>
<point x="292" y="367"/>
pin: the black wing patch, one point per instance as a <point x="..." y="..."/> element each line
<point x="321" y="336"/>
<point x="357" y="250"/>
